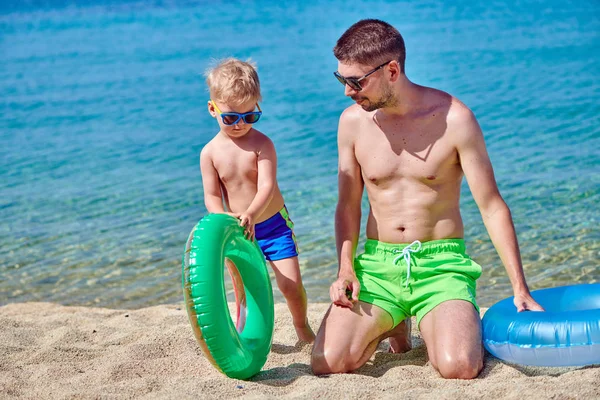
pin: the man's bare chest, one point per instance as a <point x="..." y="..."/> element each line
<point x="388" y="159"/>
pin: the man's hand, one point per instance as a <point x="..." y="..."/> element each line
<point x="524" y="302"/>
<point x="344" y="291"/>
<point x="247" y="222"/>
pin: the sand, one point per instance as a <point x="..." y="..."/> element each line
<point x="49" y="351"/>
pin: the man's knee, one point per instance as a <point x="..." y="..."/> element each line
<point x="460" y="367"/>
<point x="319" y="365"/>
<point x="324" y="362"/>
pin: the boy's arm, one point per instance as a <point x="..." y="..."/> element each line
<point x="495" y="213"/>
<point x="347" y="213"/>
<point x="267" y="175"/>
<point x="213" y="198"/>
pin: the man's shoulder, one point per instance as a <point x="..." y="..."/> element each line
<point x="458" y="112"/>
<point x="461" y="122"/>
<point x="349" y="125"/>
<point x="455" y="109"/>
<point x="351" y="120"/>
<point x="354" y="113"/>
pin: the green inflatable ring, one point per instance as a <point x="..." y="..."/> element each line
<point x="238" y="350"/>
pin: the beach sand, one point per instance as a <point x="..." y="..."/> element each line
<point x="49" y="351"/>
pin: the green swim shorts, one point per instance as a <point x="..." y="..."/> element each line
<point x="412" y="279"/>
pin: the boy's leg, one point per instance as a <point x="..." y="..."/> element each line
<point x="289" y="281"/>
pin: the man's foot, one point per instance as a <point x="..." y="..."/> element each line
<point x="400" y="341"/>
<point x="305" y="334"/>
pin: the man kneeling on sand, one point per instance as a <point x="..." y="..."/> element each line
<point x="409" y="146"/>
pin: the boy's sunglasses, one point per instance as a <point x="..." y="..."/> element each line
<point x="354" y="83"/>
<point x="232" y="118"/>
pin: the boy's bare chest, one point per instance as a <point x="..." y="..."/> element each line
<point x="237" y="165"/>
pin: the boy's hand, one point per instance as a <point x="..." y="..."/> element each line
<point x="344" y="291"/>
<point x="247" y="222"/>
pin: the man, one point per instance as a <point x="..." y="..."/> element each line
<point x="409" y="146"/>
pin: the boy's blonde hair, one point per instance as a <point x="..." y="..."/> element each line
<point x="233" y="82"/>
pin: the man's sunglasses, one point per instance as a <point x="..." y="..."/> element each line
<point x="354" y="83"/>
<point x="232" y="118"/>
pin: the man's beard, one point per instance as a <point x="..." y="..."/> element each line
<point x="387" y="99"/>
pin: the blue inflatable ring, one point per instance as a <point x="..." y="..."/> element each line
<point x="566" y="334"/>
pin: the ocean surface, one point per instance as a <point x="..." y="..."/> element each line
<point x="103" y="115"/>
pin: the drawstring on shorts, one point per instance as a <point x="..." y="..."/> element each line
<point x="405" y="253"/>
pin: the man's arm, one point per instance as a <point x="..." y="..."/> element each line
<point x="348" y="211"/>
<point x="213" y="198"/>
<point x="496" y="215"/>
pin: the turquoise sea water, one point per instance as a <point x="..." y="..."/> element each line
<point x="103" y="115"/>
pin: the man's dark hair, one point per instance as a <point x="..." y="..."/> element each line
<point x="371" y="42"/>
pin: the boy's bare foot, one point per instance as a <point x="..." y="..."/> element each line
<point x="305" y="333"/>
<point x="400" y="341"/>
